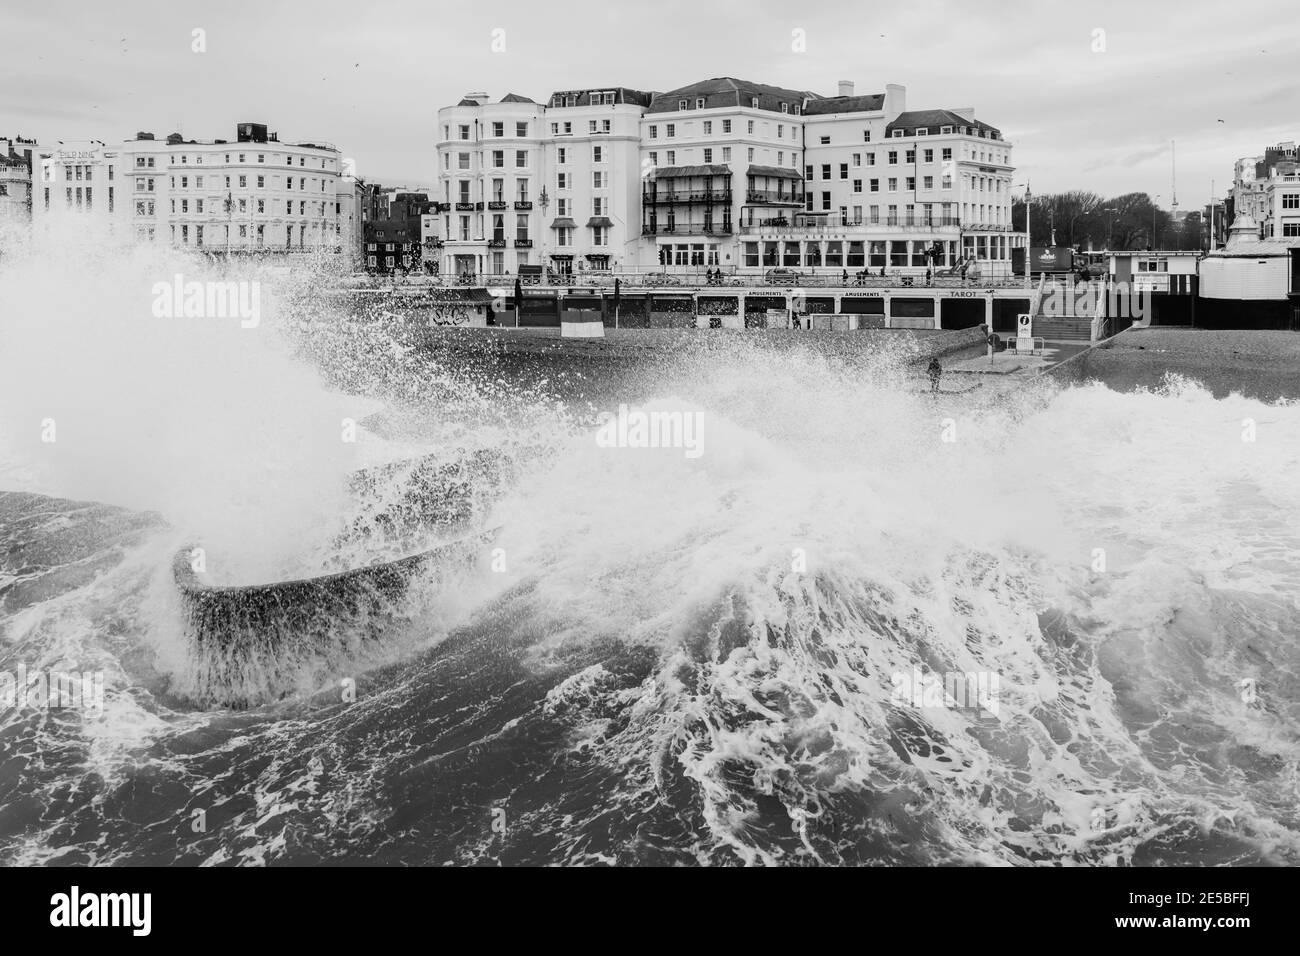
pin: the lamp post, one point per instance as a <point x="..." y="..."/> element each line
<point x="1029" y="203"/>
<point x="1154" y="207"/>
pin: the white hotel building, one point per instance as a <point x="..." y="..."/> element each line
<point x="491" y="173"/>
<point x="732" y="174"/>
<point x="15" y="182"/>
<point x="1267" y="190"/>
<point x="251" y="194"/>
<point x="523" y="184"/>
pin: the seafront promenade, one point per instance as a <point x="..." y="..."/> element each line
<point x="890" y="303"/>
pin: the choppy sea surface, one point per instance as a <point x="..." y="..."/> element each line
<point x="662" y="658"/>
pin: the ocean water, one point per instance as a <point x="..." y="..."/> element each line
<point x="661" y="658"/>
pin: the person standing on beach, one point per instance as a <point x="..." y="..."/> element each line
<point x="935" y="370"/>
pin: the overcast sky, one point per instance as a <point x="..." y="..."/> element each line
<point x="370" y="76"/>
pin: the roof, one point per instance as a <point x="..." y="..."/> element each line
<point x="1255" y="249"/>
<point x="681" y="172"/>
<point x="873" y="103"/>
<point x="723" y="91"/>
<point x="601" y="221"/>
<point x="564" y="222"/>
<point x="516" y="98"/>
<point x="623" y="95"/>
<point x="934" y="120"/>
<point x="780" y="172"/>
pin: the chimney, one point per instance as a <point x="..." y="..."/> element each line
<point x="895" y="101"/>
<point x="846" y="88"/>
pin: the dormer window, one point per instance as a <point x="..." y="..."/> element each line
<point x="699" y="103"/>
<point x="753" y="102"/>
<point x="785" y="107"/>
<point x="945" y="130"/>
<point x="681" y="104"/>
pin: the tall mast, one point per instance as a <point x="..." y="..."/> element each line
<point x="1173" y="178"/>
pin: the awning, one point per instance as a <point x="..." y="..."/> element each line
<point x="681" y="172"/>
<point x="564" y="222"/>
<point x="779" y="172"/>
<point x="557" y="255"/>
<point x="596" y="256"/>
<point x="603" y="222"/>
<point x="469" y="296"/>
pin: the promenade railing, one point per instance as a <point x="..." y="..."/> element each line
<point x="701" y="281"/>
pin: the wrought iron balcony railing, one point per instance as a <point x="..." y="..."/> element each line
<point x="687" y="229"/>
<point x="660" y="197"/>
<point x="768" y="196"/>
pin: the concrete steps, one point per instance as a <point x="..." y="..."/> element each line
<point x="1064" y="328"/>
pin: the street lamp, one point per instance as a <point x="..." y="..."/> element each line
<point x="1029" y="202"/>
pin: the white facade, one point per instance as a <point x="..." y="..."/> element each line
<point x="349" y="197"/>
<point x="732" y="174"/>
<point x="1155" y="271"/>
<point x="491" y="172"/>
<point x="1267" y="189"/>
<point x="1247" y="191"/>
<point x="254" y="193"/>
<point x="1258" y="271"/>
<point x="15" y="183"/>
<point x="593" y="155"/>
<point x="887" y="188"/>
<point x="717" y="154"/>
<point x="1282" y="203"/>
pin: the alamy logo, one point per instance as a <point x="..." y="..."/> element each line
<point x="102" y="909"/>
<point x="52" y="690"/>
<point x="179" y="299"/>
<point x="953" y="690"/>
<point x="655" y="429"/>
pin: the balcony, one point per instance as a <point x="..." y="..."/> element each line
<point x="498" y="204"/>
<point x="523" y="204"/>
<point x="464" y="207"/>
<point x="687" y="196"/>
<point x="523" y="243"/>
<point x="496" y="243"/>
<point x="687" y="229"/>
<point x="478" y="207"/>
<point x="812" y="227"/>
<point x="769" y="197"/>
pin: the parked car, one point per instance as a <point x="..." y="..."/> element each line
<point x="782" y="277"/>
